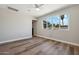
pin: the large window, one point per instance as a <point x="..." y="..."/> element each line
<point x="56" y="22"/>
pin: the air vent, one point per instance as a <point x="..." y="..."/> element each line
<point x="13" y="9"/>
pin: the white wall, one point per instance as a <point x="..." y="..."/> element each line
<point x="14" y="25"/>
<point x="71" y="35"/>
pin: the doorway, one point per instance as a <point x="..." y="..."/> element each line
<point x="33" y="27"/>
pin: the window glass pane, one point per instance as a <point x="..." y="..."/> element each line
<point x="64" y="22"/>
<point x="54" y="22"/>
<point x="44" y="24"/>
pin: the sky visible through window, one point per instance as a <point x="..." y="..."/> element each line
<point x="57" y="20"/>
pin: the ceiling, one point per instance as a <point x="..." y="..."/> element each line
<point x="30" y="9"/>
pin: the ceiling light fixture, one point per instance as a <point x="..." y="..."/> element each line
<point x="37" y="6"/>
<point x="37" y="9"/>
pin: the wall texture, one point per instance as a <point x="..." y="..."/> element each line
<point x="14" y="25"/>
<point x="71" y="35"/>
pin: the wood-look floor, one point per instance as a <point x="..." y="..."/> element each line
<point x="38" y="46"/>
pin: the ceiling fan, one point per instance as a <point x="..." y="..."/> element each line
<point x="37" y="6"/>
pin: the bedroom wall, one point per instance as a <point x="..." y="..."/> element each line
<point x="71" y="35"/>
<point x="14" y="25"/>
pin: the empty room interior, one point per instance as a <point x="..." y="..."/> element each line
<point x="39" y="29"/>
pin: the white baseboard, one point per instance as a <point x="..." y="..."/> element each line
<point x="15" y="39"/>
<point x="71" y="43"/>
